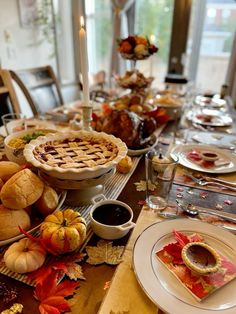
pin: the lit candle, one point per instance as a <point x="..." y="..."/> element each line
<point x="84" y="61"/>
<point x="152" y="41"/>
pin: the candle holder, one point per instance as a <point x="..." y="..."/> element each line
<point x="87" y="117"/>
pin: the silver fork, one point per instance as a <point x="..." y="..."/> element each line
<point x="203" y="182"/>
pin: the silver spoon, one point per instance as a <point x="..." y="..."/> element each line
<point x="192" y="210"/>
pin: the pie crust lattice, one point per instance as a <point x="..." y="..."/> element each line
<point x="76" y="153"/>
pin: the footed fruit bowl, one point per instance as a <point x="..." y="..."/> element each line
<point x="76" y="155"/>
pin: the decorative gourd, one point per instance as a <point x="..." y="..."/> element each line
<point x="24" y="256"/>
<point x="124" y="165"/>
<point x="63" y="231"/>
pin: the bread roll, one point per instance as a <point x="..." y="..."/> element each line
<point x="7" y="169"/>
<point x="23" y="189"/>
<point x="48" y="201"/>
<point x="10" y="220"/>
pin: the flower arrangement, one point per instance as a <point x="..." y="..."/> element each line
<point x="136" y="47"/>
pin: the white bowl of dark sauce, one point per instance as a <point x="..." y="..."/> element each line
<point x="110" y="219"/>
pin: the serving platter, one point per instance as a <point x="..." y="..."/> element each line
<point x="162" y="287"/>
<point x="35" y="222"/>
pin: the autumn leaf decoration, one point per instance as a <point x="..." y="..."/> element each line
<point x="49" y="291"/>
<point x="51" y="294"/>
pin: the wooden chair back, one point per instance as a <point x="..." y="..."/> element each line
<point x="7" y="92"/>
<point x="40" y="87"/>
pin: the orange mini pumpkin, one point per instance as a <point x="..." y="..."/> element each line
<point x="63" y="231"/>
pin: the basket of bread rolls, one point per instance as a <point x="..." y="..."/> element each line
<point x="25" y="200"/>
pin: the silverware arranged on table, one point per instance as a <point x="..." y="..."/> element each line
<point x="194" y="211"/>
<point x="204" y="182"/>
<point x="220" y="181"/>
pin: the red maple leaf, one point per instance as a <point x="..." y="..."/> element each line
<point x="199" y="291"/>
<point x="174" y="249"/>
<point x="43" y="272"/>
<point x="195" y="237"/>
<point x="51" y="294"/>
<point x="180" y="238"/>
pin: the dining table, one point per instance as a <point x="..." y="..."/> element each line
<point x="116" y="289"/>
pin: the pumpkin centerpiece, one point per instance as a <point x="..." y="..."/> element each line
<point x="63" y="231"/>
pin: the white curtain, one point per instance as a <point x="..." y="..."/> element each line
<point x="120" y="30"/>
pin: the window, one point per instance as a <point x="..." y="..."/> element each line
<point x="155" y="18"/>
<point x="99" y="33"/>
<point x="210" y="42"/>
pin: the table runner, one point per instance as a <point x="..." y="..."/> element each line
<point x="113" y="187"/>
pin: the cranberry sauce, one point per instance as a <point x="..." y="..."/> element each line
<point x="111" y="214"/>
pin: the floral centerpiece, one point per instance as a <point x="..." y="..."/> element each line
<point x="136" y="47"/>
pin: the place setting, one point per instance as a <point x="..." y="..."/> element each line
<point x="209" y="117"/>
<point x="177" y="283"/>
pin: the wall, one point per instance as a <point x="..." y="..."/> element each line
<point x="22" y="48"/>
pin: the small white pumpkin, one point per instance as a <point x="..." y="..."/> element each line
<point x="24" y="256"/>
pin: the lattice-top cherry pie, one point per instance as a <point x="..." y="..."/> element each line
<point x="75" y="155"/>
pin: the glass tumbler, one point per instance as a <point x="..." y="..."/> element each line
<point x="160" y="172"/>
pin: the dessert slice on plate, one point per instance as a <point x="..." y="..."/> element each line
<point x="199" y="267"/>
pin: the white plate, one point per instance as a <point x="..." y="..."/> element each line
<point x="162" y="287"/>
<point x="214" y="102"/>
<point x="62" y="197"/>
<point x="182" y="150"/>
<point x="32" y="123"/>
<point x="217" y="118"/>
<point x="139" y="152"/>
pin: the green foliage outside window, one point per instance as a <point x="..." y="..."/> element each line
<point x="155" y="17"/>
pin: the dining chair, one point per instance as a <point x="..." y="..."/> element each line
<point x="8" y="98"/>
<point x="40" y="87"/>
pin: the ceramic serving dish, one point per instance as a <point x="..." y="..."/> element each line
<point x="110" y="219"/>
<point x="13" y="143"/>
<point x="59" y="155"/>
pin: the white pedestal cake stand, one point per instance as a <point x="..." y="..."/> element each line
<point x="79" y="192"/>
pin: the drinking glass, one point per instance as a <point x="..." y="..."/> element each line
<point x="160" y="172"/>
<point x="14" y="122"/>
